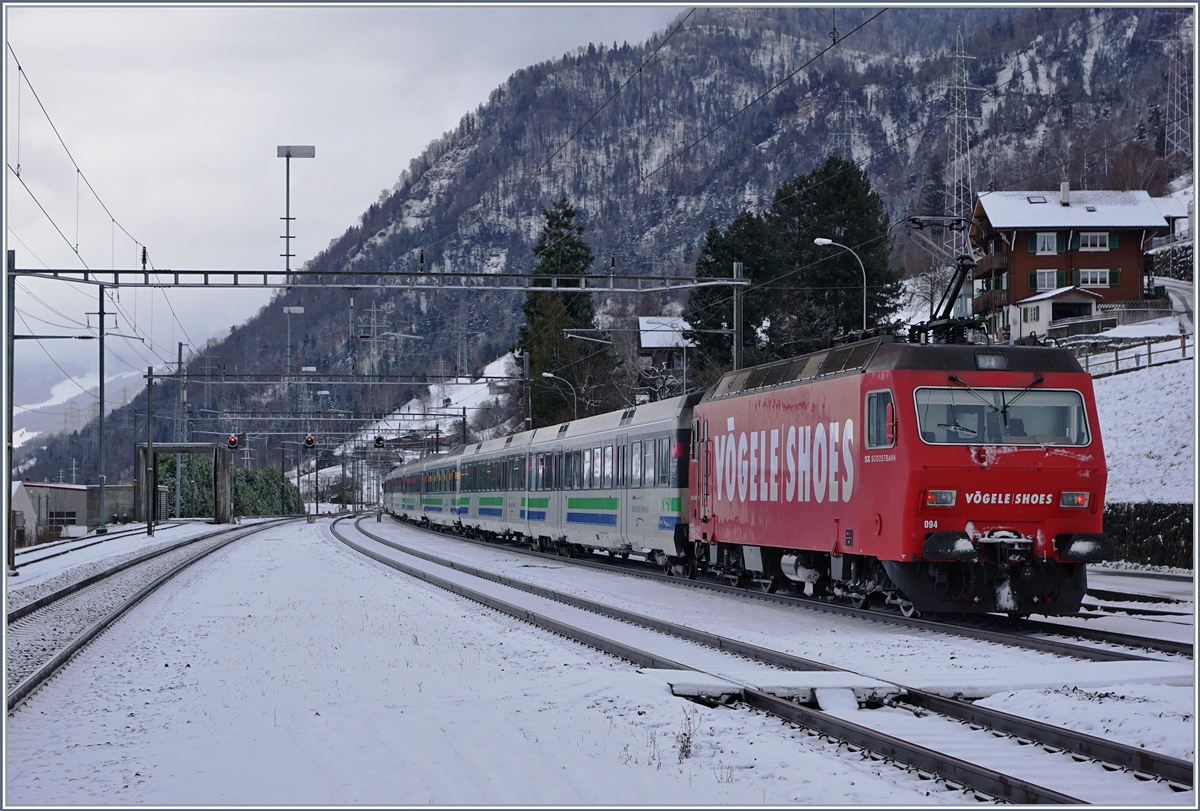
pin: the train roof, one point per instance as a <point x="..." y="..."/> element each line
<point x="633" y="417"/>
<point x="886" y="353"/>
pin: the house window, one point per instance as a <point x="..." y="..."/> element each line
<point x="1093" y="241"/>
<point x="1029" y="315"/>
<point x="1093" y="278"/>
<point x="1047" y="279"/>
<point x="1047" y="242"/>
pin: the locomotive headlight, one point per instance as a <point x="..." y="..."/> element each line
<point x="940" y="498"/>
<point x="1074" y="500"/>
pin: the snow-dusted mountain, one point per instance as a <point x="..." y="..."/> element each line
<point x="694" y="126"/>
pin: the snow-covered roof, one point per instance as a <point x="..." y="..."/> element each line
<point x="1058" y="292"/>
<point x="1171" y="207"/>
<point x="55" y="485"/>
<point x="1088" y="209"/>
<point x="662" y="332"/>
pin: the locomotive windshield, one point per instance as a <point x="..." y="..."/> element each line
<point x="960" y="416"/>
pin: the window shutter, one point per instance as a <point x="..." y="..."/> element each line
<point x="1075" y="277"/>
<point x="1114" y="277"/>
<point x="1060" y="242"/>
<point x="1033" y="279"/>
<point x="1113" y="240"/>
<point x="1075" y="242"/>
<point x="1033" y="243"/>
<point x="1061" y="276"/>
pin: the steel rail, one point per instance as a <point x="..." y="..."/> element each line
<point x="953" y="769"/>
<point x="955" y="629"/>
<point x="30" y="683"/>
<point x="94" y="542"/>
<point x="53" y="597"/>
<point x="1118" y="754"/>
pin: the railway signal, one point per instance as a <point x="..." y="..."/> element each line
<point x="232" y="441"/>
<point x="379" y="443"/>
<point x="309" y="441"/>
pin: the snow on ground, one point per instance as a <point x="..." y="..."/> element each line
<point x="294" y="671"/>
<point x="1147" y="420"/>
<point x="1167" y="327"/>
<point x="1157" y="715"/>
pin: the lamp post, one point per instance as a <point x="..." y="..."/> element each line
<point x="823" y="241"/>
<point x="574" y="397"/>
<point x="290" y="152"/>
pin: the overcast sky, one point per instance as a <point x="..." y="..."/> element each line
<point x="173" y="116"/>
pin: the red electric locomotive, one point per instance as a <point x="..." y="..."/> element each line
<point x="937" y="477"/>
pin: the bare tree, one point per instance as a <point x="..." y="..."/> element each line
<point x="1137" y="167"/>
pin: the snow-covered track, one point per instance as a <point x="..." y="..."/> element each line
<point x="985" y="723"/>
<point x="25" y="557"/>
<point x="1179" y="772"/>
<point x="1046" y="638"/>
<point x="43" y="635"/>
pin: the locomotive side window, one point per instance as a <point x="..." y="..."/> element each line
<point x="958" y="416"/>
<point x="880" y="412"/>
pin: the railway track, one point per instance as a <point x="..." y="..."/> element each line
<point x="1026" y="634"/>
<point x="987" y="734"/>
<point x="25" y="557"/>
<point x="43" y="634"/>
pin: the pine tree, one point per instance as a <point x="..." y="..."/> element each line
<point x="749" y="241"/>
<point x="585" y="365"/>
<point x="819" y="289"/>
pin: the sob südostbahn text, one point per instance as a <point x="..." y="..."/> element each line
<point x="936" y="477"/>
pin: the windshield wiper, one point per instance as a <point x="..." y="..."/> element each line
<point x="986" y="401"/>
<point x="1007" y="405"/>
<point x="962" y="429"/>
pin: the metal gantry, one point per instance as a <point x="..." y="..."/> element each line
<point x="288" y="279"/>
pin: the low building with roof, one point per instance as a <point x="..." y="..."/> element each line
<point x="1055" y="313"/>
<point x="1035" y="242"/>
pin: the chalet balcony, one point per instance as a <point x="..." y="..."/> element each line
<point x="988" y="301"/>
<point x="991" y="265"/>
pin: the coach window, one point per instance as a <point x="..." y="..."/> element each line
<point x="597" y="468"/>
<point x="587" y="468"/>
<point x="664" y="461"/>
<point x="648" y="463"/>
<point x="635" y="465"/>
<point x="608" y="466"/>
<point x="880" y="412"/>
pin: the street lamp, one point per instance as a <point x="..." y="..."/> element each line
<point x="823" y="241"/>
<point x="574" y="398"/>
<point x="290" y="152"/>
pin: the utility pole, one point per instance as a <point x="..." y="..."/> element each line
<point x="737" y="317"/>
<point x="528" y="393"/>
<point x="8" y="445"/>
<point x="151" y="484"/>
<point x="102" y="528"/>
<point x="178" y="426"/>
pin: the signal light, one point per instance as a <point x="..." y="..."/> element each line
<point x="233" y="441"/>
<point x="1074" y="500"/>
<point x="379" y="443"/>
<point x="940" y="498"/>
<point x="309" y="442"/>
